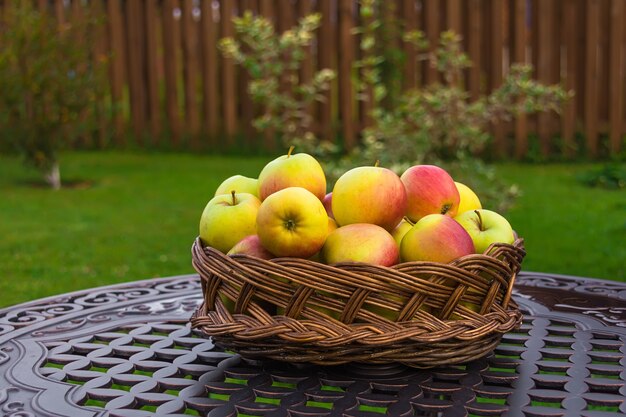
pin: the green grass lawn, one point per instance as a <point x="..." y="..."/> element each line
<point x="138" y="217"/>
<point x="569" y="228"/>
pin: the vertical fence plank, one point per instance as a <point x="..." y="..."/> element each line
<point x="570" y="45"/>
<point x="591" y="76"/>
<point x="267" y="10"/>
<point x="229" y="87"/>
<point x="366" y="101"/>
<point x="190" y="71"/>
<point x="154" y="108"/>
<point x="453" y="16"/>
<point x="59" y="11"/>
<point x="210" y="64"/>
<point x="409" y="11"/>
<point x="135" y="42"/>
<point x="581" y="40"/>
<point x="453" y="23"/>
<point x="519" y="50"/>
<point x="325" y="59"/>
<point x="474" y="47"/>
<point x="99" y="51"/>
<point x="432" y="29"/>
<point x="246" y="105"/>
<point x="117" y="68"/>
<point x="346" y="58"/>
<point x="496" y="26"/>
<point x="546" y="56"/>
<point x="285" y="14"/>
<point x="305" y="8"/>
<point x="170" y="61"/>
<point x="617" y="69"/>
<point x="285" y="21"/>
<point x="603" y="67"/>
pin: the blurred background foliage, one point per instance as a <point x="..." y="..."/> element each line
<point x="51" y="88"/>
<point x="133" y="197"/>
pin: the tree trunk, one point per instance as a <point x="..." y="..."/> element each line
<point x="53" y="176"/>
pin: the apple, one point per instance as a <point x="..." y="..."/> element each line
<point x="328" y="201"/>
<point x="251" y="245"/>
<point x="400" y="230"/>
<point x="436" y="238"/>
<point x="369" y="194"/>
<point x="292" y="222"/>
<point x="228" y="218"/>
<point x="239" y="184"/>
<point x="360" y="242"/>
<point x="468" y="198"/>
<point x="332" y="224"/>
<point x="298" y="170"/>
<point x="486" y="227"/>
<point x="429" y="190"/>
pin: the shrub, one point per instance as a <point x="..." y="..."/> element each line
<point x="272" y="61"/>
<point x="439" y="124"/>
<point x="435" y="124"/>
<point x="49" y="84"/>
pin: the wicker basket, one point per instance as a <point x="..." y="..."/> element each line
<point x="421" y="314"/>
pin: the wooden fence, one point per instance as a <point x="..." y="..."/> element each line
<point x="170" y="80"/>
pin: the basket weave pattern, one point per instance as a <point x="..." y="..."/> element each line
<point x="418" y="313"/>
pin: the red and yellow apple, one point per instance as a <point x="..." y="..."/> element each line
<point x="436" y="238"/>
<point x="297" y="170"/>
<point x="468" y="198"/>
<point x="360" y="242"/>
<point x="292" y="222"/>
<point x="372" y="195"/>
<point x="429" y="190"/>
<point x="228" y="218"/>
<point x="239" y="184"/>
<point x="251" y="245"/>
<point x="486" y="227"/>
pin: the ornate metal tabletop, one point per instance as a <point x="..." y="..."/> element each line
<point x="127" y="350"/>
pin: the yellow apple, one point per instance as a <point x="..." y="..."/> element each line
<point x="239" y="184"/>
<point x="292" y="222"/>
<point x="400" y="230"/>
<point x="227" y="219"/>
<point x="332" y="224"/>
<point x="468" y="198"/>
<point x="298" y="170"/>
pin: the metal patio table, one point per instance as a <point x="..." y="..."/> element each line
<point x="127" y="350"/>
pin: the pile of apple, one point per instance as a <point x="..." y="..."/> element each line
<point x="372" y="215"/>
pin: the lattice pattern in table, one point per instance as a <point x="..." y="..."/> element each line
<point x="547" y="367"/>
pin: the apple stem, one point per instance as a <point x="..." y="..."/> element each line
<point x="406" y="219"/>
<point x="480" y="221"/>
<point x="290" y="150"/>
<point x="234" y="199"/>
<point x="377" y="163"/>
